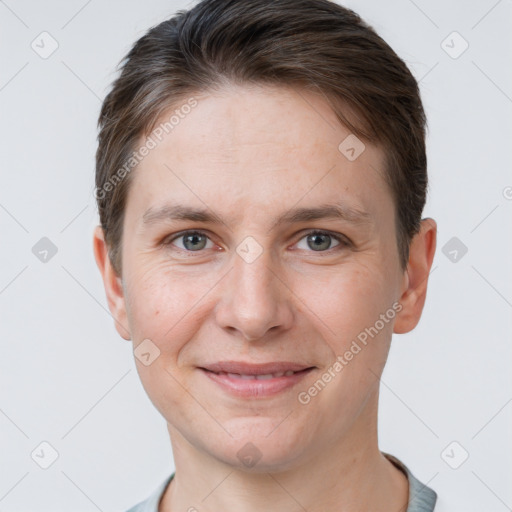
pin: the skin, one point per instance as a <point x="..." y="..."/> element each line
<point x="250" y="154"/>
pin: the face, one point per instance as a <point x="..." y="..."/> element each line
<point x="266" y="281"/>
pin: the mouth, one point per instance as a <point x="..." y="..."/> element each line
<point x="247" y="380"/>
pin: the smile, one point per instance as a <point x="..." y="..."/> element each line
<point x="257" y="381"/>
<point x="266" y="376"/>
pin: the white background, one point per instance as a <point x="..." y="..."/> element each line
<point x="67" y="378"/>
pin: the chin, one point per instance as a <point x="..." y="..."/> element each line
<point x="261" y="445"/>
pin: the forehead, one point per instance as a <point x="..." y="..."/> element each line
<point x="252" y="147"/>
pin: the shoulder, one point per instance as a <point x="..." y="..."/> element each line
<point x="421" y="497"/>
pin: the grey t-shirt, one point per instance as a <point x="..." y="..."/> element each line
<point x="421" y="497"/>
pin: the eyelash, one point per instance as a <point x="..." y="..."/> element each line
<point x="342" y="241"/>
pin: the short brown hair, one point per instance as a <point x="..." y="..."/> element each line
<point x="315" y="44"/>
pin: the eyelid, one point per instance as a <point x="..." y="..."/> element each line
<point x="341" y="239"/>
<point x="171" y="238"/>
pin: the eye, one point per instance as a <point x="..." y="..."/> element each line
<point x="193" y="241"/>
<point x="320" y="241"/>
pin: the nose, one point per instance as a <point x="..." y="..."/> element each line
<point x="255" y="299"/>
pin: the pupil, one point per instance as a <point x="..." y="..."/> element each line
<point x="193" y="241"/>
<point x="319" y="242"/>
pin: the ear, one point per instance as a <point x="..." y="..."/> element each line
<point x="112" y="283"/>
<point x="414" y="289"/>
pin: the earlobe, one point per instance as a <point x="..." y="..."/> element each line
<point x="414" y="290"/>
<point x="112" y="283"/>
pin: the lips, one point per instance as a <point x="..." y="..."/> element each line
<point x="246" y="380"/>
<point x="250" y="370"/>
<point x="265" y="376"/>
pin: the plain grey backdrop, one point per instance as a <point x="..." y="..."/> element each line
<point x="67" y="379"/>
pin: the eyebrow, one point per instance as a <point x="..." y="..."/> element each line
<point x="296" y="215"/>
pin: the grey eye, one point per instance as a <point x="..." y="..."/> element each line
<point x="319" y="241"/>
<point x="193" y="241"/>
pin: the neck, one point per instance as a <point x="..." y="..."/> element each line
<point x="352" y="476"/>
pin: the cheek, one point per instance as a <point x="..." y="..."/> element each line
<point x="349" y="305"/>
<point x="345" y="302"/>
<point x="161" y="304"/>
<point x="162" y="308"/>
